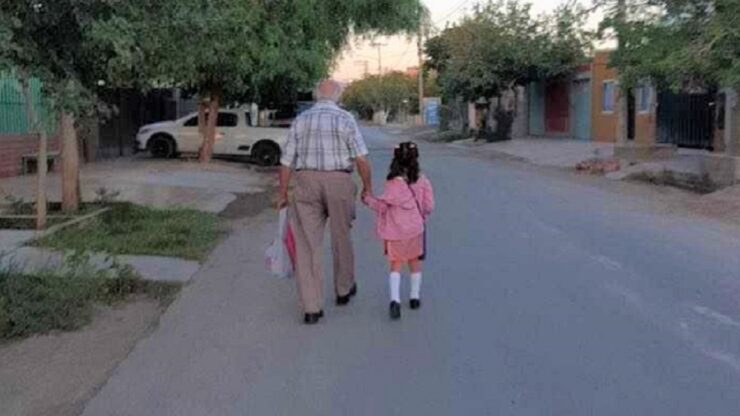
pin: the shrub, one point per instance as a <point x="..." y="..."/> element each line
<point x="448" y="136"/>
<point x="64" y="298"/>
<point x="4" y="316"/>
<point x="44" y="301"/>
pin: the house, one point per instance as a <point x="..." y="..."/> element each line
<point x="15" y="138"/>
<point x="585" y="106"/>
<point x="561" y="107"/>
<point x="100" y="138"/>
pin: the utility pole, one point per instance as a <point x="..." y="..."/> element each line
<point x="380" y="58"/>
<point x="421" y="72"/>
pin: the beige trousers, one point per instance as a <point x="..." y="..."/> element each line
<point x="318" y="197"/>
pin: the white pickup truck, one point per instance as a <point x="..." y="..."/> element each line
<point x="235" y="137"/>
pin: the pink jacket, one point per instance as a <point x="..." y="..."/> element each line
<point x="398" y="216"/>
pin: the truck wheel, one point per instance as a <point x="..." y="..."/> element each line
<point x="267" y="154"/>
<point x="162" y="146"/>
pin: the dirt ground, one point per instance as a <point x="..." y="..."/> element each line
<point x="247" y="205"/>
<point x="54" y="375"/>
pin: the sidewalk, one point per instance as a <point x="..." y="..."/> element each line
<point x="160" y="184"/>
<point x="560" y="153"/>
<point x="155" y="183"/>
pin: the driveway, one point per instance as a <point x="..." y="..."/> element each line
<point x="544" y="294"/>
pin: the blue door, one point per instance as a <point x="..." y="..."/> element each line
<point x="536" y="102"/>
<point x="581" y="91"/>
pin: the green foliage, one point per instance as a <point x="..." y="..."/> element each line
<point x="683" y="44"/>
<point x="448" y="136"/>
<point x="132" y="229"/>
<point x="390" y="92"/>
<point x="46" y="301"/>
<point x="5" y="322"/>
<point x="64" y="298"/>
<point x="239" y="46"/>
<point x="243" y="47"/>
<point x="47" y="40"/>
<point x="501" y="45"/>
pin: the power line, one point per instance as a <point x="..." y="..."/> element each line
<point x="380" y="58"/>
<point x="455" y="10"/>
<point x="403" y="55"/>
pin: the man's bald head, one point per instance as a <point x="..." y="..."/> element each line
<point x="328" y="90"/>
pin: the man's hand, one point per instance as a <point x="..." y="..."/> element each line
<point x="282" y="196"/>
<point x="281" y="201"/>
<point x="365" y="171"/>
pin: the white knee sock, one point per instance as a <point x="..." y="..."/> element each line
<point x="394" y="283"/>
<point x="415" y="285"/>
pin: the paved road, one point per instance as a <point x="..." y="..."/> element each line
<point x="544" y="295"/>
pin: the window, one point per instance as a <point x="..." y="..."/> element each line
<point x="643" y="96"/>
<point x="193" y="122"/>
<point x="609" y="97"/>
<point x="227" y="120"/>
<point x="248" y="116"/>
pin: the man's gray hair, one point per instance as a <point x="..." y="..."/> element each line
<point x="328" y="89"/>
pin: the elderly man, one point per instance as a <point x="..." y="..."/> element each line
<point x="324" y="146"/>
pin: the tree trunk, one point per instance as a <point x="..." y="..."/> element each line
<point x="622" y="115"/>
<point x="35" y="128"/>
<point x="202" y="108"/>
<point x="70" y="164"/>
<point x="206" y="151"/>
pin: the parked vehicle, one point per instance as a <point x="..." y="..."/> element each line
<point x="235" y="137"/>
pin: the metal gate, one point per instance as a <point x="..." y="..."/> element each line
<point x="581" y="101"/>
<point x="686" y="120"/>
<point x="557" y="107"/>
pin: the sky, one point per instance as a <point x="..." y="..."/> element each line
<point x="399" y="52"/>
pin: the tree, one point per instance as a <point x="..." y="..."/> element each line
<point x="228" y="49"/>
<point x="677" y="44"/>
<point x="381" y="94"/>
<point x="47" y="40"/>
<point x="502" y="46"/>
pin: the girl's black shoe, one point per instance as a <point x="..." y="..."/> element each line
<point x="395" y="310"/>
<point x="415" y="303"/>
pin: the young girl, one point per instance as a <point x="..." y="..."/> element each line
<point x="402" y="210"/>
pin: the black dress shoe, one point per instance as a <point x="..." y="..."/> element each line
<point x="415" y="303"/>
<point x="312" y="318"/>
<point x="343" y="300"/>
<point x="395" y="310"/>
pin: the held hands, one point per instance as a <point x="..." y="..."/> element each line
<point x="281" y="201"/>
<point x="366" y="193"/>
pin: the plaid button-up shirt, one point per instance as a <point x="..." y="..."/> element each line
<point x="324" y="138"/>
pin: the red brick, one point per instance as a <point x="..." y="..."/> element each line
<point x="12" y="149"/>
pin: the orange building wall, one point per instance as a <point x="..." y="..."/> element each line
<point x="603" y="125"/>
<point x="645" y="128"/>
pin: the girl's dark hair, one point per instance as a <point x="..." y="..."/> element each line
<point x="405" y="162"/>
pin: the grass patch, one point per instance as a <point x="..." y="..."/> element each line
<point x="64" y="299"/>
<point x="447" y="136"/>
<point x="136" y="230"/>
<point x="11" y="217"/>
<point x="700" y="184"/>
<point x="8" y="223"/>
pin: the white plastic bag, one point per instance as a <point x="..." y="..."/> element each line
<point x="277" y="257"/>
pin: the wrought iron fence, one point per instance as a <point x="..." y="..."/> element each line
<point x="686" y="120"/>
